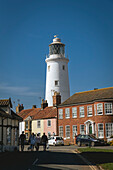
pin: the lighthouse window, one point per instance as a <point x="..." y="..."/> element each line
<point x="63" y="67"/>
<point x="56" y="83"/>
<point x="48" y="68"/>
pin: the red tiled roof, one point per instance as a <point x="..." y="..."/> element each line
<point x="48" y="112"/>
<point x="37" y="113"/>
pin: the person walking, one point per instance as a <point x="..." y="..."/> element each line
<point x="37" y="142"/>
<point x="44" y="141"/>
<point x="22" y="140"/>
<point x="32" y="142"/>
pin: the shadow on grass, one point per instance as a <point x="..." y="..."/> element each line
<point x="98" y="157"/>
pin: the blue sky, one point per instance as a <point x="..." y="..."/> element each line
<point x="27" y="28"/>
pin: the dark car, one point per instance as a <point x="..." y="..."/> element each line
<point x="89" y="140"/>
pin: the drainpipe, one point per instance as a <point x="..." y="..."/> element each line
<point x="57" y="121"/>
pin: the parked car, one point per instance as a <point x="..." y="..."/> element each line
<point x="89" y="140"/>
<point x="55" y="140"/>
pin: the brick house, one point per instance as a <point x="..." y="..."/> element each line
<point x="89" y="112"/>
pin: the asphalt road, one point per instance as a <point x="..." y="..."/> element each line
<point x="58" y="157"/>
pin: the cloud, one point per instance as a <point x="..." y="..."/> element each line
<point x="15" y="90"/>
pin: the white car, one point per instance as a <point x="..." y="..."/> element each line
<point x="55" y="140"/>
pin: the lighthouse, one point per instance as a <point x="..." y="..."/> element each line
<point x="57" y="72"/>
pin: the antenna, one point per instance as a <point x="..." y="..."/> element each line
<point x="18" y="100"/>
<point x="40" y="100"/>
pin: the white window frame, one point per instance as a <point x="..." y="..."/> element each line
<point x="82" y="132"/>
<point x="74" y="127"/>
<point x="88" y="110"/>
<point x="9" y="135"/>
<point x="61" y="133"/>
<point x="108" y="109"/>
<point x="109" y="131"/>
<point x="81" y="111"/>
<point x="95" y="109"/>
<point x="100" y="132"/>
<point x="98" y="109"/>
<point x="67" y="136"/>
<point x="38" y="124"/>
<point x="67" y="113"/>
<point x="74" y="112"/>
<point x="60" y="113"/>
<point x="48" y="123"/>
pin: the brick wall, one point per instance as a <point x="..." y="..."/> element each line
<point x="81" y="120"/>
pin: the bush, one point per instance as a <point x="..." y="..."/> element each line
<point x="111" y="143"/>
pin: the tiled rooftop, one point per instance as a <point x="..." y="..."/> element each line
<point x="90" y="96"/>
<point x="37" y="113"/>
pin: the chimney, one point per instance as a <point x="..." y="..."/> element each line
<point x="95" y="88"/>
<point x="19" y="108"/>
<point x="44" y="104"/>
<point x="34" y="106"/>
<point x="56" y="99"/>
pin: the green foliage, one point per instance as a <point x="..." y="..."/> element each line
<point x="111" y="143"/>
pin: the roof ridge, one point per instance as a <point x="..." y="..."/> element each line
<point x="94" y="90"/>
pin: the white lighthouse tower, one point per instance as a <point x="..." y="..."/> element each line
<point x="57" y="72"/>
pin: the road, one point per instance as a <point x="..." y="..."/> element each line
<point x="58" y="157"/>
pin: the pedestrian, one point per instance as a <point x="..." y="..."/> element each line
<point x="22" y="140"/>
<point x="37" y="142"/>
<point x="44" y="141"/>
<point x="53" y="133"/>
<point x="32" y="142"/>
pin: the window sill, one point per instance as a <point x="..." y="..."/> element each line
<point x="108" y="113"/>
<point x="89" y="115"/>
<point x="99" y="114"/>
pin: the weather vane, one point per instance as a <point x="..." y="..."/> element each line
<point x="55" y="36"/>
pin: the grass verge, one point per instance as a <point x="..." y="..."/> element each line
<point x="106" y="166"/>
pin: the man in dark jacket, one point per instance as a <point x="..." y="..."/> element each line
<point x="22" y="140"/>
<point x="44" y="141"/>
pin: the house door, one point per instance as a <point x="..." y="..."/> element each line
<point x="90" y="129"/>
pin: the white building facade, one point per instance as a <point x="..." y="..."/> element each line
<point x="57" y="72"/>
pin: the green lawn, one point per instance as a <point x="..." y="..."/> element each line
<point x="106" y="166"/>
